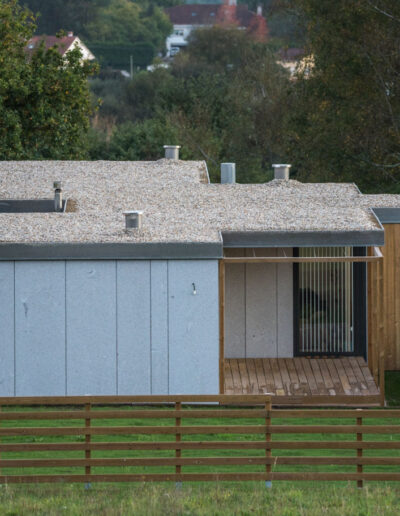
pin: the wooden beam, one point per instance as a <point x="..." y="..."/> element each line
<point x="221" y="326"/>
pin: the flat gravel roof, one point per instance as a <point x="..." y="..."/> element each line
<point x="179" y="204"/>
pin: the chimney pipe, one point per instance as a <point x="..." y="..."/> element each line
<point x="282" y="172"/>
<point x="58" y="203"/>
<point x="172" y="151"/>
<point x="133" y="219"/>
<point x="70" y="34"/>
<point x="259" y="10"/>
<point x="228" y="173"/>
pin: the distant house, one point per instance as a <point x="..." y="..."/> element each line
<point x="295" y="59"/>
<point x="64" y="45"/>
<point x="189" y="17"/>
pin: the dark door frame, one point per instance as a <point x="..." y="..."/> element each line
<point x="359" y="309"/>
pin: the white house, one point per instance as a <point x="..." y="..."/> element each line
<point x="189" y="17"/>
<point x="64" y="45"/>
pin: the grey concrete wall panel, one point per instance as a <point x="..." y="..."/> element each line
<point x="91" y="327"/>
<point x="40" y="328"/>
<point x="7" y="329"/>
<point x="388" y="215"/>
<point x="193" y="327"/>
<point x="134" y="333"/>
<point x="235" y="310"/>
<point x="302" y="238"/>
<point x="159" y="327"/>
<point x="112" y="251"/>
<point x="261" y="310"/>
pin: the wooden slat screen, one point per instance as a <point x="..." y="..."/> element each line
<point x="171" y="438"/>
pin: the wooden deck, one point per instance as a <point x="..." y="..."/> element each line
<point x="292" y="380"/>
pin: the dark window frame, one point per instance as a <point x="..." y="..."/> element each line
<point x="359" y="310"/>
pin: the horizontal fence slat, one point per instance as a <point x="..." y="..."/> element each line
<point x="201" y="445"/>
<point x="208" y="429"/>
<point x="335" y="413"/>
<point x="134" y="414"/>
<point x="135" y="430"/>
<point x="200" y="461"/>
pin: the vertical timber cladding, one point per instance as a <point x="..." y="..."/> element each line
<point x="108" y="327"/>
<point x="384" y="303"/>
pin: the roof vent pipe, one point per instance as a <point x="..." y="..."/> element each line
<point x="282" y="172"/>
<point x="228" y="173"/>
<point x="133" y="219"/>
<point x="172" y="151"/>
<point x="58" y="203"/>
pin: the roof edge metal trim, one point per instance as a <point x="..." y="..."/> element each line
<point x="303" y="238"/>
<point x="112" y="251"/>
<point x="387" y="215"/>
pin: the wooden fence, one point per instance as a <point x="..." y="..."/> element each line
<point x="192" y="438"/>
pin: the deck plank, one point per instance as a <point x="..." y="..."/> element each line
<point x="318" y="376"/>
<point x="326" y="375"/>
<point x="229" y="383"/>
<point x="251" y="369"/>
<point x="342" y="376"/>
<point x="310" y="377"/>
<point x="262" y="382"/>
<point x="244" y="376"/>
<point x="280" y="391"/>
<point x="288" y="377"/>
<point x="271" y="387"/>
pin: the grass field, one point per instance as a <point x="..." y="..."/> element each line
<point x="215" y="499"/>
<point x="211" y="498"/>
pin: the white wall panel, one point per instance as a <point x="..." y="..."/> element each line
<point x="91" y="327"/>
<point x="159" y="327"/>
<point x="134" y="327"/>
<point x="193" y="327"/>
<point x="40" y="328"/>
<point x="6" y="328"/>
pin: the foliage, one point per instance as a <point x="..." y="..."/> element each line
<point x="109" y="27"/>
<point x="221" y="100"/>
<point x="344" y="117"/>
<point x="44" y="99"/>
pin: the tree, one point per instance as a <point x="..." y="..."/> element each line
<point x="344" y="118"/>
<point x="44" y="98"/>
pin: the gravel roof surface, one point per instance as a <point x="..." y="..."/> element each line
<point x="178" y="205"/>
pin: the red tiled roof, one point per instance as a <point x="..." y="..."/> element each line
<point x="208" y="14"/>
<point x="64" y="44"/>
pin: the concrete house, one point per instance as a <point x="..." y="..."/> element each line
<point x="145" y="278"/>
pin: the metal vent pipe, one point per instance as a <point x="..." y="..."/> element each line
<point x="133" y="219"/>
<point x="172" y="151"/>
<point x="228" y="173"/>
<point x="58" y="203"/>
<point x="282" y="172"/>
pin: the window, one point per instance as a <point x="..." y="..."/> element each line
<point x="325" y="302"/>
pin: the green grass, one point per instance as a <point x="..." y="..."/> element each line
<point x="207" y="499"/>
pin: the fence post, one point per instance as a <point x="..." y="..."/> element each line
<point x="178" y="469"/>
<point x="88" y="452"/>
<point x="268" y="454"/>
<point x="359" y="450"/>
